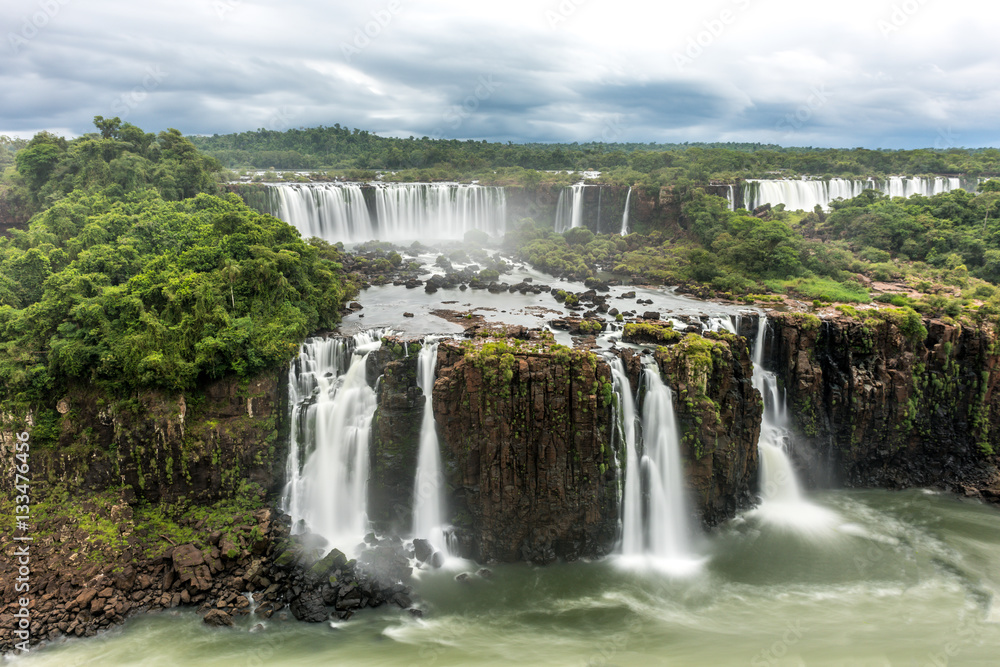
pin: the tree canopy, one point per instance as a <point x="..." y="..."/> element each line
<point x="136" y="278"/>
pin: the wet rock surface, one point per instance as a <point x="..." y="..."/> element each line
<point x="877" y="407"/>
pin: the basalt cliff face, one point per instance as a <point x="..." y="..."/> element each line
<point x="530" y="448"/>
<point x="159" y="446"/>
<point x="142" y="504"/>
<point x="719" y="413"/>
<point x="526" y="441"/>
<point x="877" y="403"/>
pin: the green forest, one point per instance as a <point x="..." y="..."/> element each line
<point x="354" y="152"/>
<point x="134" y="271"/>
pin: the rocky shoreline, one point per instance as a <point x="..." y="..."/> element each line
<point x="256" y="570"/>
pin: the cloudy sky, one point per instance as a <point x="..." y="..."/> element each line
<point x="874" y="73"/>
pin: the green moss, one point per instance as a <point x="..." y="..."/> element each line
<point x="644" y="331"/>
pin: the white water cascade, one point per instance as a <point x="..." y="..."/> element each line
<point x="655" y="523"/>
<point x="332" y="409"/>
<point x="782" y="501"/>
<point x="628" y="199"/>
<point x="806" y="194"/>
<point x="569" y="214"/>
<point x="399" y="212"/>
<point x="633" y="533"/>
<point x="328" y="211"/>
<point x="428" y="505"/>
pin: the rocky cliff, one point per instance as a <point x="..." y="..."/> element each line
<point x="891" y="401"/>
<point x="719" y="413"/>
<point x="158" y="446"/>
<point x="528" y="438"/>
<point x="145" y="503"/>
<point x="395" y="434"/>
<point x="526" y="442"/>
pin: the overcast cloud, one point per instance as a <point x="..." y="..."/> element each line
<point x="874" y="73"/>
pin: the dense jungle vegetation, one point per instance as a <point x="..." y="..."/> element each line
<point x="942" y="252"/>
<point x="133" y="273"/>
<point x="357" y="153"/>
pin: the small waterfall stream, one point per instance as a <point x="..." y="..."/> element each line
<point x="628" y="199"/>
<point x="428" y="505"/>
<point x="633" y="533"/>
<point x="782" y="501"/>
<point x="656" y="526"/>
<point x="669" y="532"/>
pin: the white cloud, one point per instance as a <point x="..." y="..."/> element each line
<point x="849" y="73"/>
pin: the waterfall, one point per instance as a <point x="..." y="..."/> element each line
<point x="428" y="507"/>
<point x="633" y="537"/>
<point x="777" y="476"/>
<point x="570" y="215"/>
<point x="325" y="210"/>
<point x="628" y="199"/>
<point x="669" y="533"/>
<point x="655" y="516"/>
<point x="719" y="324"/>
<point x="331" y="413"/>
<point x="406" y="212"/>
<point x="782" y="501"/>
<point x="731" y="197"/>
<point x="806" y="194"/>
<point x="399" y="212"/>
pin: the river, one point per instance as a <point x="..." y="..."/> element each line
<point x="901" y="578"/>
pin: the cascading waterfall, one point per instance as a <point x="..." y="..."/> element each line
<point x="406" y="212"/>
<point x="428" y="505"/>
<point x="777" y="476"/>
<point x="806" y="194"/>
<point x="655" y="516"/>
<point x="633" y="533"/>
<point x="628" y="199"/>
<point x="669" y="533"/>
<point x="570" y="214"/>
<point x="328" y="211"/>
<point x="782" y="501"/>
<point x="400" y="212"/>
<point x="332" y="410"/>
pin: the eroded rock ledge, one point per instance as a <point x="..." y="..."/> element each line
<point x="883" y="402"/>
